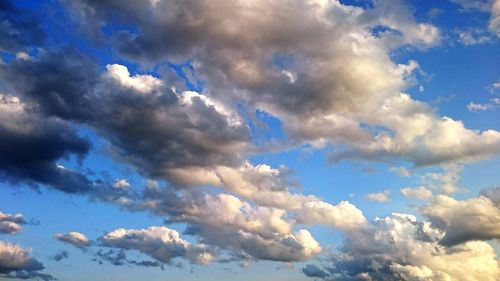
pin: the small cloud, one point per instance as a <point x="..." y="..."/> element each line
<point x="22" y="56"/>
<point x="473" y="36"/>
<point x="434" y="13"/>
<point x="421" y="193"/>
<point x="121" y="184"/>
<point x="311" y="270"/>
<point x="494" y="87"/>
<point x="61" y="255"/>
<point x="74" y="238"/>
<point x="400" y="171"/>
<point x="379" y="197"/>
<point x="491" y="105"/>
<point x="11" y="224"/>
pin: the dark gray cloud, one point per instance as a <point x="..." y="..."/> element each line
<point x="60" y="255"/>
<point x="43" y="141"/>
<point x="19" y="28"/>
<point x="119" y="258"/>
<point x="58" y="82"/>
<point x="311" y="270"/>
<point x="149" y="125"/>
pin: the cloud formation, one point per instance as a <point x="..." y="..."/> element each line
<point x="11" y="224"/>
<point x="464" y="220"/>
<point x="421" y="193"/>
<point x="158" y="242"/>
<point x="74" y="238"/>
<point x="399" y="247"/>
<point x="16" y="262"/>
<point x="330" y="80"/>
<point x="379" y="197"/>
<point x="328" y="93"/>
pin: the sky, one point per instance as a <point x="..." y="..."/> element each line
<point x="286" y="140"/>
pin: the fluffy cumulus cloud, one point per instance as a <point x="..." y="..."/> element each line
<point x="399" y="247"/>
<point x="464" y="220"/>
<point x="159" y="242"/>
<point x="10" y="224"/>
<point x="16" y="262"/>
<point x="332" y="99"/>
<point x="243" y="231"/>
<point x="74" y="238"/>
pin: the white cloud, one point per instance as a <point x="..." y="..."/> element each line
<point x="158" y="242"/>
<point x="473" y="36"/>
<point x="494" y="24"/>
<point x="17" y="262"/>
<point x="74" y="238"/>
<point x="400" y="171"/>
<point x="121" y="183"/>
<point x="444" y="182"/>
<point x="10" y="224"/>
<point x="379" y="197"/>
<point x="140" y="83"/>
<point x="421" y="193"/>
<point x="401" y="247"/>
<point x="478" y="106"/>
<point x="464" y="220"/>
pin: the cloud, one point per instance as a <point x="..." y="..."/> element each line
<point x="119" y="258"/>
<point x="251" y="232"/>
<point x="379" y="197"/>
<point x="400" y="171"/>
<point x="121" y="183"/>
<point x="493" y="194"/>
<point x="335" y="106"/>
<point x="311" y="270"/>
<point x="421" y="193"/>
<point x="74" y="238"/>
<point x="481" y="5"/>
<point x="11" y="224"/>
<point x="494" y="24"/>
<point x="60" y="255"/>
<point x="158" y="242"/>
<point x="444" y="182"/>
<point x="44" y="141"/>
<point x="464" y="220"/>
<point x="247" y="231"/>
<point x="493" y="88"/>
<point x="19" y="28"/>
<point x="329" y="78"/>
<point x="493" y="104"/>
<point x="16" y="262"/>
<point x="487" y="6"/>
<point x="473" y="36"/>
<point x="399" y="247"/>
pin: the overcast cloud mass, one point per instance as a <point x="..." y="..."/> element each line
<point x="250" y="140"/>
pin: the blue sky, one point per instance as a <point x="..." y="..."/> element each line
<point x="265" y="140"/>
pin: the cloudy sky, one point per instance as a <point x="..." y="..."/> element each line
<point x="284" y="140"/>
